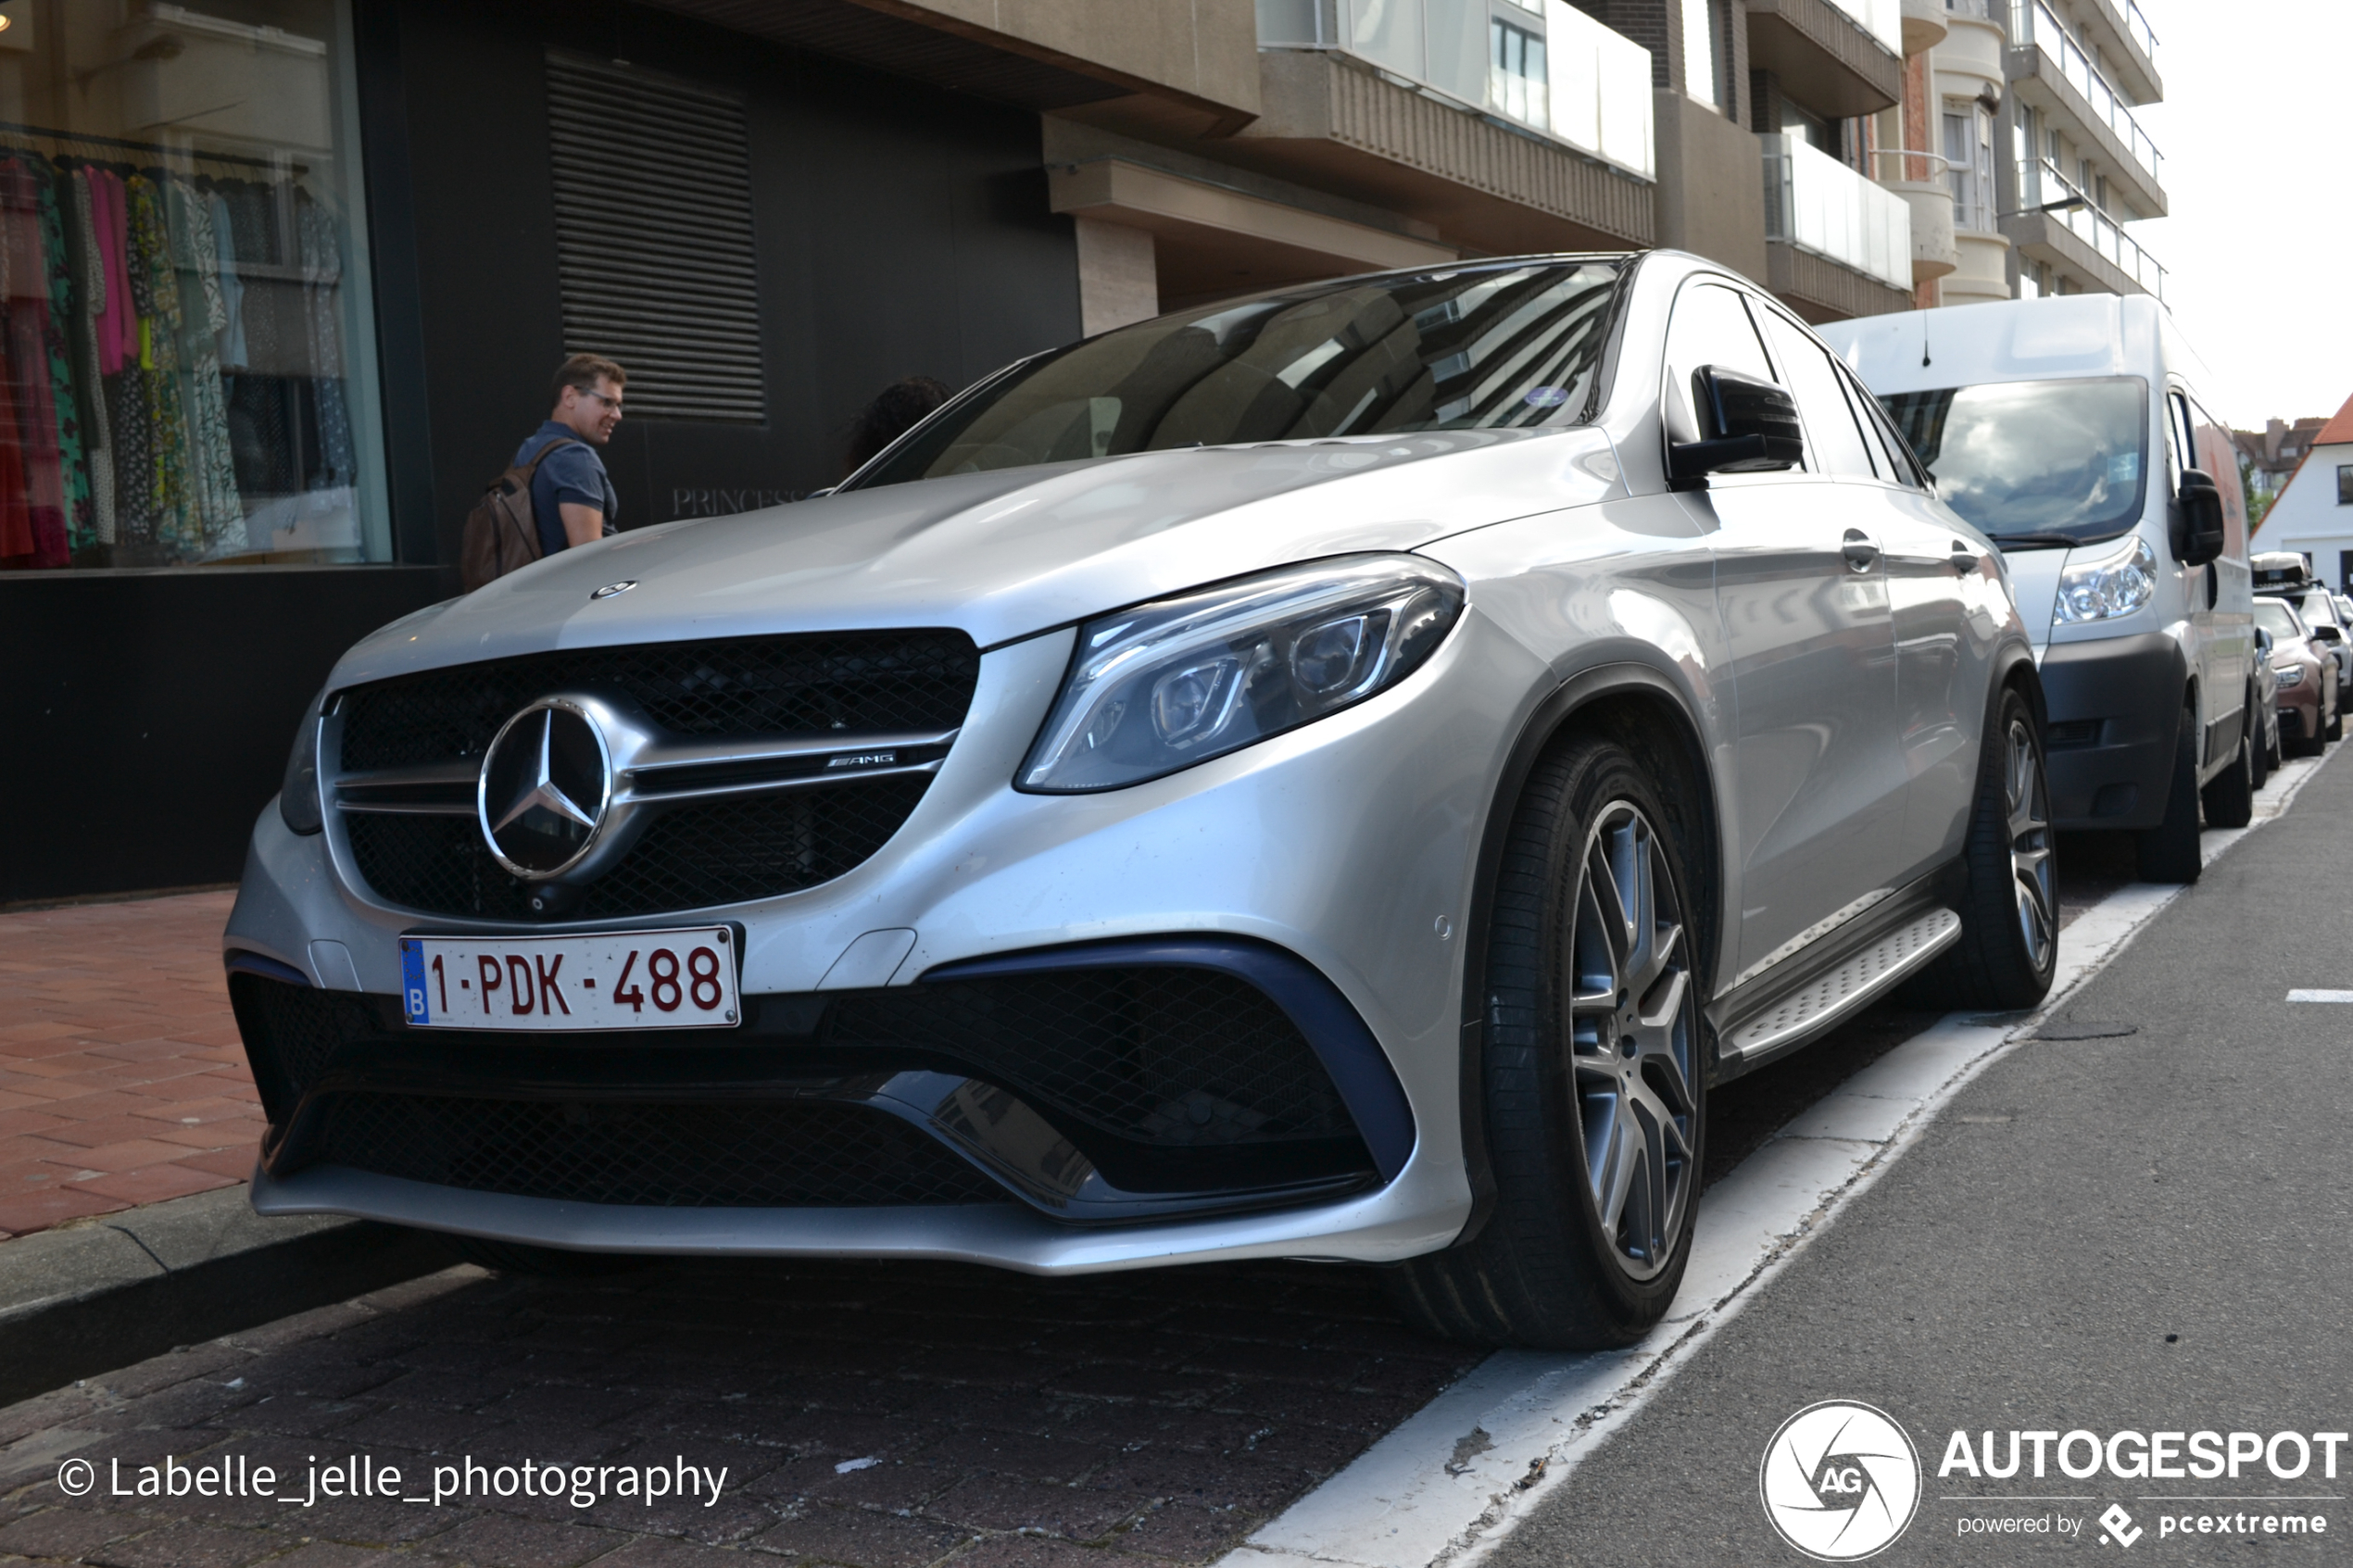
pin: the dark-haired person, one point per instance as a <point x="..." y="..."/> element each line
<point x="897" y="409"/>
<point x="573" y="500"/>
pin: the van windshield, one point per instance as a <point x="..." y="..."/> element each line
<point x="2037" y="463"/>
<point x="1472" y="348"/>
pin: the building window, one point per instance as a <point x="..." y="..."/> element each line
<point x="190" y="380"/>
<point x="1968" y="164"/>
<point x="2345" y="485"/>
<point x="1517" y="82"/>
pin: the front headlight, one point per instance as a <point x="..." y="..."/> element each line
<point x="1167" y="684"/>
<point x="2102" y="590"/>
<point x="2289" y="675"/>
<point x="298" y="796"/>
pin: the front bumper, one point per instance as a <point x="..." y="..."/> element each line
<point x="1346" y="845"/>
<point x="2114" y="707"/>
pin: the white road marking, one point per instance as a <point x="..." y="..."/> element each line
<point x="1409" y="1502"/>
<point x="2320" y="996"/>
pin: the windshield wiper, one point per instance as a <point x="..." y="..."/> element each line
<point x="2036" y="541"/>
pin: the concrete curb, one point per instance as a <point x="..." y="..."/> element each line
<point x="103" y="1293"/>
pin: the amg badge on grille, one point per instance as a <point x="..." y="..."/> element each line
<point x="546" y="780"/>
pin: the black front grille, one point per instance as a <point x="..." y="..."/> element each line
<point x="1170" y="1057"/>
<point x="692" y="856"/>
<point x="781" y="1154"/>
<point x="849" y="683"/>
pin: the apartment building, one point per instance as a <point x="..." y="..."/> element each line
<point x="2028" y="109"/>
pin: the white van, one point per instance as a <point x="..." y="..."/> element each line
<point x="2072" y="433"/>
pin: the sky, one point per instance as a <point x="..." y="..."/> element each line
<point x="2258" y="245"/>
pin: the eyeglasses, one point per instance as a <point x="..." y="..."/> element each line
<point x="609" y="401"/>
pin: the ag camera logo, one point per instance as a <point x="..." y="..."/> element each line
<point x="1841" y="1481"/>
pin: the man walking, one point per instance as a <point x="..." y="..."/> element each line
<point x="573" y="499"/>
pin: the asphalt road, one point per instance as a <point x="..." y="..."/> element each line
<point x="2145" y="1231"/>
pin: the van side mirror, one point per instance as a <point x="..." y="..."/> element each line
<point x="2262" y="644"/>
<point x="2201" y="518"/>
<point x="2324" y="632"/>
<point x="1751" y="427"/>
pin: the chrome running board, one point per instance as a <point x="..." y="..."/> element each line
<point x="1861" y="978"/>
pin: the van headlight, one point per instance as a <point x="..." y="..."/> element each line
<point x="2104" y="589"/>
<point x="1167" y="684"/>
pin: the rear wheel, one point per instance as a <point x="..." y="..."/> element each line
<point x="1593" y="1096"/>
<point x="2259" y="761"/>
<point x="2008" y="949"/>
<point x="2334" y="730"/>
<point x="2230" y="796"/>
<point x="2168" y="852"/>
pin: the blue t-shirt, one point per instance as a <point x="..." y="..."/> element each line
<point x="572" y="474"/>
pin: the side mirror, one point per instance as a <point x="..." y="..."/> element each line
<point x="2324" y="632"/>
<point x="1751" y="428"/>
<point x="2262" y="644"/>
<point x="2201" y="517"/>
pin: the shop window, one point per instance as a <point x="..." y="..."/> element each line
<point x="654" y="238"/>
<point x="186" y="357"/>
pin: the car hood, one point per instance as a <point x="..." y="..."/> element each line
<point x="1004" y="555"/>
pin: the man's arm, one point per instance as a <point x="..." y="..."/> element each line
<point x="583" y="525"/>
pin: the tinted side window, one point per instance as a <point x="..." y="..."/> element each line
<point x="1821" y="402"/>
<point x="1710" y="327"/>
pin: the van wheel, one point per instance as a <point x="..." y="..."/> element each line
<point x="2008" y="949"/>
<point x="2335" y="727"/>
<point x="1593" y="1098"/>
<point x="2259" y="761"/>
<point x="2168" y="852"/>
<point x="2229" y="798"/>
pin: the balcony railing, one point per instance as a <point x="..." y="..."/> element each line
<point x="2046" y="188"/>
<point x="2031" y="21"/>
<point x="2137" y="27"/>
<point x="1883" y="19"/>
<point x="1817" y="203"/>
<point x="1543" y="65"/>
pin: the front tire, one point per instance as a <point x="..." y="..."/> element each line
<point x="2168" y="852"/>
<point x="2009" y="950"/>
<point x="1594" y="1093"/>
<point x="2229" y="798"/>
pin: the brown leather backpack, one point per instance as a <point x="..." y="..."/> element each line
<point x="502" y="531"/>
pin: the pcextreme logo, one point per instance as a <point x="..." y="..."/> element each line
<point x="1841" y="1481"/>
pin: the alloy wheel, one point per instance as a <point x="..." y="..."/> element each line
<point x="2032" y="874"/>
<point x="1632" y="1023"/>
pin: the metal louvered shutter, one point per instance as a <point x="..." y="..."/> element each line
<point x="653" y="237"/>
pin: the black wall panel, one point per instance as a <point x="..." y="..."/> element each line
<point x="148" y="714"/>
<point x="900" y="230"/>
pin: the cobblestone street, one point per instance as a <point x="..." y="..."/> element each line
<point x="875" y="1416"/>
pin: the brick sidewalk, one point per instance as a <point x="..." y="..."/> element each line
<point x="121" y="1078"/>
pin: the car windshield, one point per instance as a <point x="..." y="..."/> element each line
<point x="1457" y="348"/>
<point x="2063" y="459"/>
<point x="2316" y="606"/>
<point x="2277" y="618"/>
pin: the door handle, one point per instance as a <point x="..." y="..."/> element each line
<point x="1964" y="558"/>
<point x="1860" y="551"/>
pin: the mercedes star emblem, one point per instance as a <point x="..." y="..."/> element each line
<point x="546" y="782"/>
<point x="609" y="589"/>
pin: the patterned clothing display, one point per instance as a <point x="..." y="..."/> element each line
<point x="171" y="361"/>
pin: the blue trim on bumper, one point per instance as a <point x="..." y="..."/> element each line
<point x="242" y="963"/>
<point x="1359" y="1068"/>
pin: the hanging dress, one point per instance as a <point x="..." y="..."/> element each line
<point x="197" y="253"/>
<point x="89" y="264"/>
<point x="32" y="391"/>
<point x="155" y="289"/>
<point x="322" y="273"/>
<point x="81" y="512"/>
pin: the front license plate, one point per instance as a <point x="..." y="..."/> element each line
<point x="624" y="980"/>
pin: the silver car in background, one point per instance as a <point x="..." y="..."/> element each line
<point x="1340" y="773"/>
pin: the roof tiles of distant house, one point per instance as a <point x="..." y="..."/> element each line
<point x="2338" y="430"/>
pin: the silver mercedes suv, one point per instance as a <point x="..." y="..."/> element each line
<point x="1339" y="773"/>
